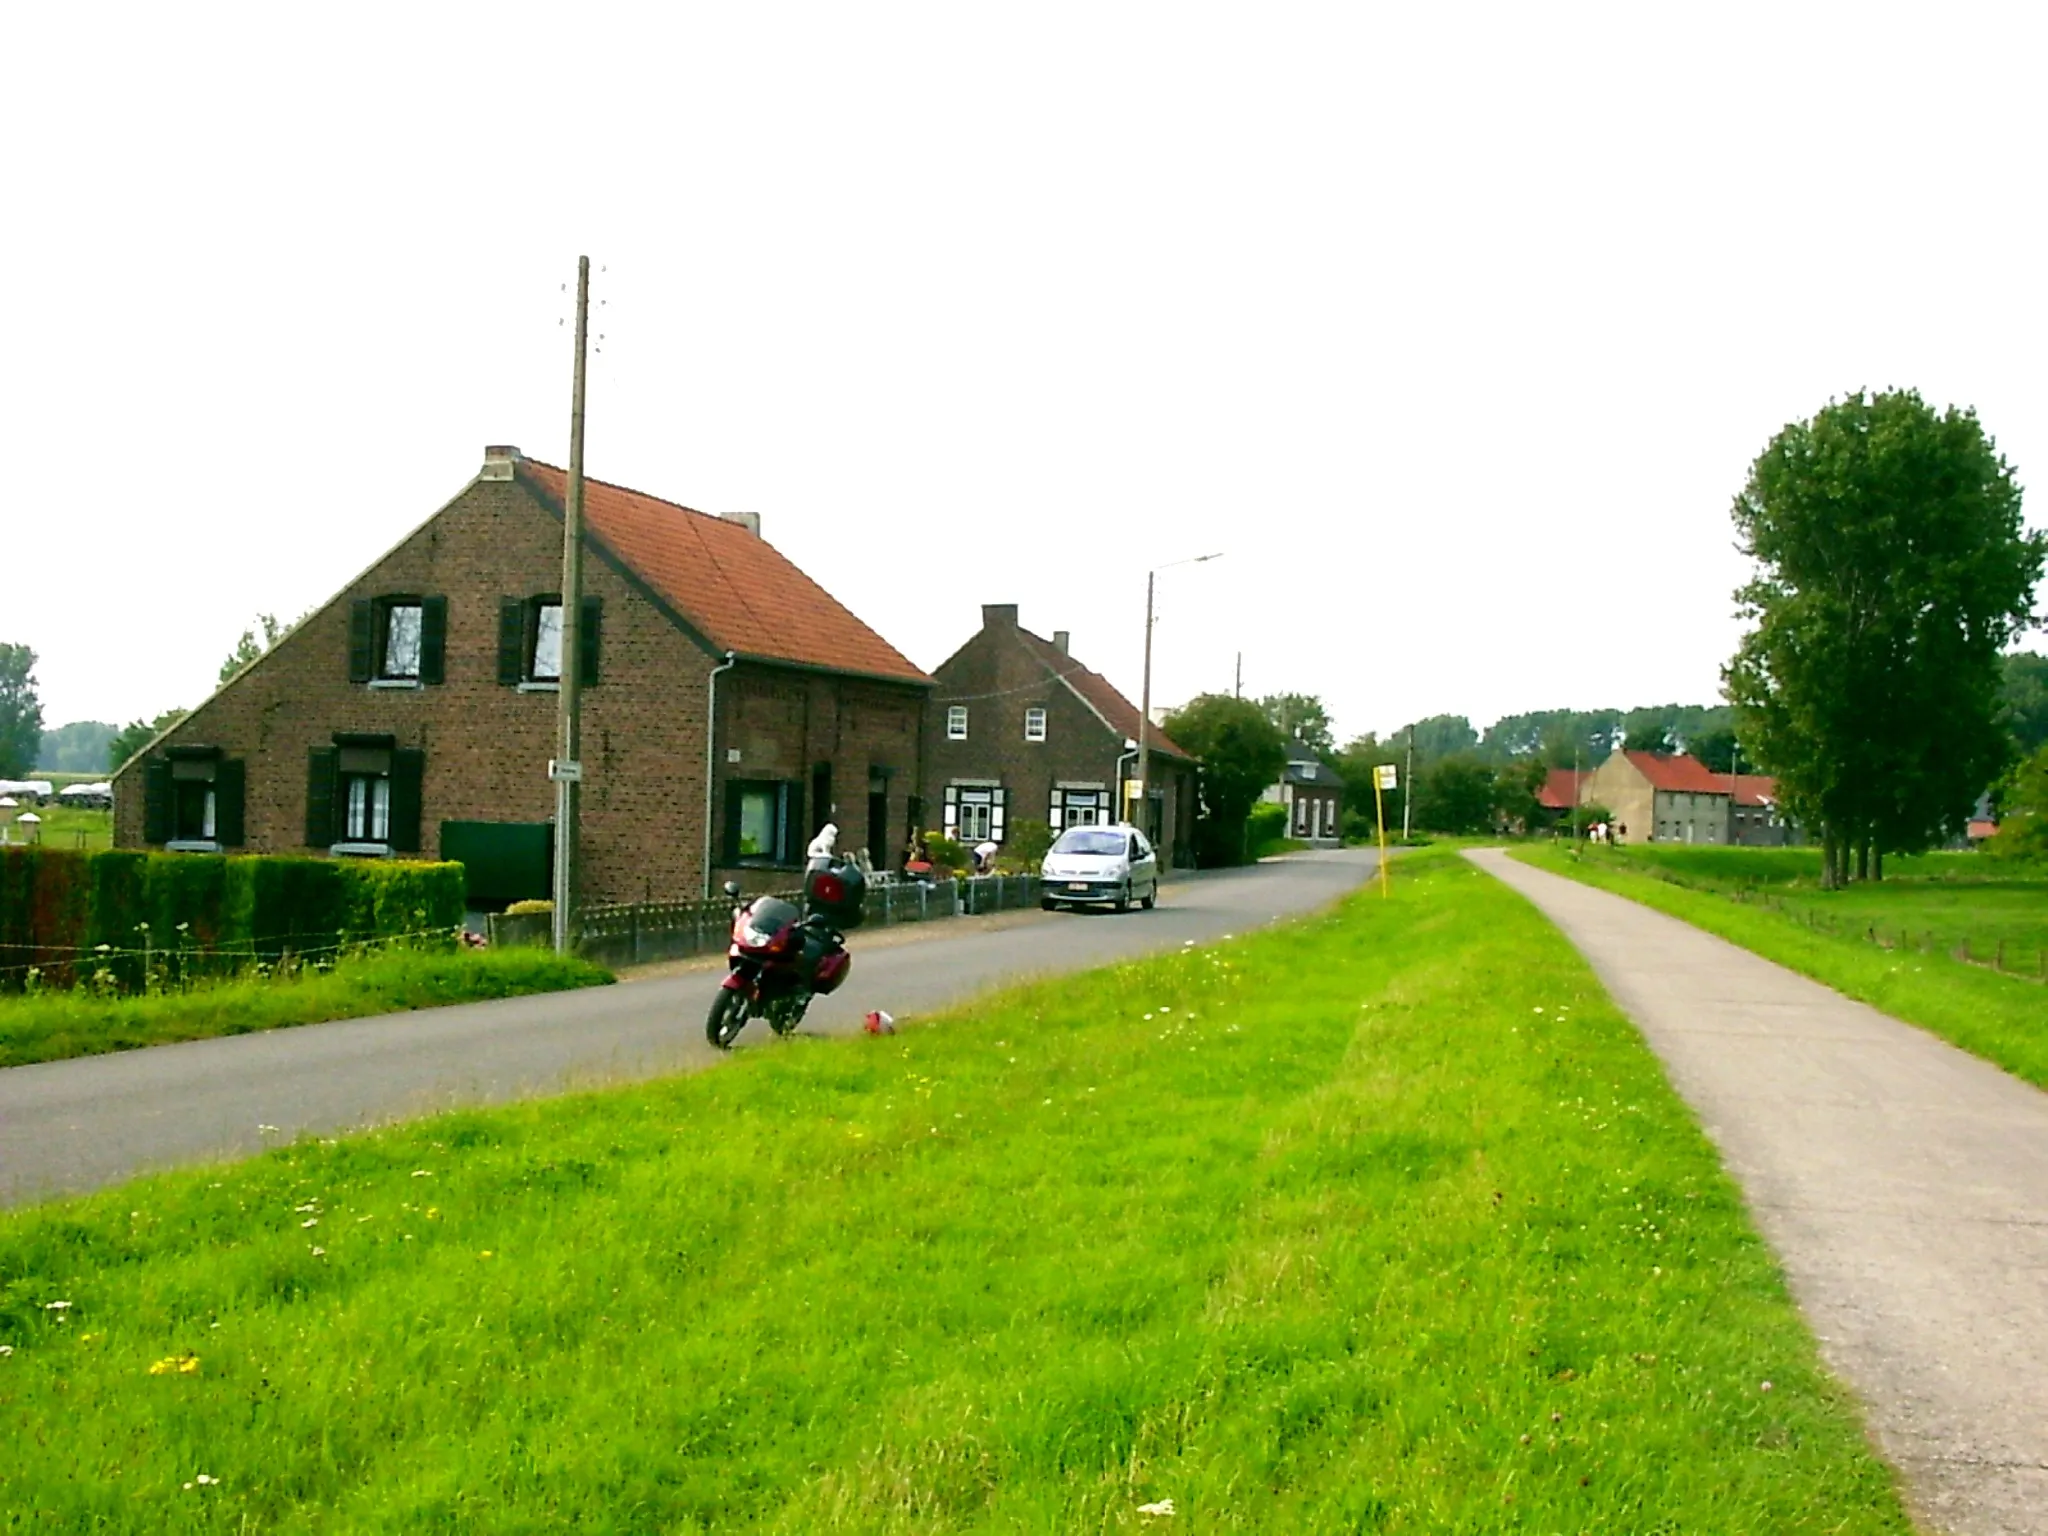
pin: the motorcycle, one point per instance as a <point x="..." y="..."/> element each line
<point x="783" y="955"/>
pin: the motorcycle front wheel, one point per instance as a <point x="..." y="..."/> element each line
<point x="728" y="1018"/>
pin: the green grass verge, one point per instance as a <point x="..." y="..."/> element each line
<point x="1941" y="901"/>
<point x="2003" y="1019"/>
<point x="1382" y="1221"/>
<point x="48" y="1026"/>
<point x="65" y="826"/>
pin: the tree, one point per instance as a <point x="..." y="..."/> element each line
<point x="1893" y="570"/>
<point x="1437" y="737"/>
<point x="21" y="712"/>
<point x="1718" y="749"/>
<point x="2024" y="692"/>
<point x="137" y="734"/>
<point x="1515" y="791"/>
<point x="2023" y="829"/>
<point x="256" y="639"/>
<point x="1302" y="717"/>
<point x="1355" y="766"/>
<point x="80" y="747"/>
<point x="1455" y="794"/>
<point x="1242" y="754"/>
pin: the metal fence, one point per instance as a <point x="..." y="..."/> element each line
<point x="643" y="932"/>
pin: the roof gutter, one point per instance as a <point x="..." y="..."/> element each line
<point x="710" y="762"/>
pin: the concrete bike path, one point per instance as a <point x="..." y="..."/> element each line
<point x="1902" y="1183"/>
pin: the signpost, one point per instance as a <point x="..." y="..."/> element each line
<point x="1384" y="778"/>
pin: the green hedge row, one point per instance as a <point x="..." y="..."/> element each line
<point x="177" y="915"/>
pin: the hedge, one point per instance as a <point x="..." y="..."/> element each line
<point x="135" y="915"/>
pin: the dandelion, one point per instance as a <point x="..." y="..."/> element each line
<point x="1765" y="1387"/>
<point x="486" y="1254"/>
<point x="186" y="1364"/>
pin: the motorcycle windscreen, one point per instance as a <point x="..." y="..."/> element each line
<point x="831" y="971"/>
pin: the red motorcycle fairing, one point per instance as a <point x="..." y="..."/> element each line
<point x="831" y="971"/>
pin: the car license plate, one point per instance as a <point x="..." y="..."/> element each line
<point x="1077" y="885"/>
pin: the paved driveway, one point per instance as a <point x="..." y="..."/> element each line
<point x="77" y="1125"/>
<point x="1902" y="1183"/>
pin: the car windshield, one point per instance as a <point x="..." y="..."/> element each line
<point x="1090" y="840"/>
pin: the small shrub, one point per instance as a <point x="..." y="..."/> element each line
<point x="529" y="908"/>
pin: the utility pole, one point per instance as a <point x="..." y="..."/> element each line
<point x="567" y="768"/>
<point x="1138" y="818"/>
<point x="1237" y="688"/>
<point x="1408" y="788"/>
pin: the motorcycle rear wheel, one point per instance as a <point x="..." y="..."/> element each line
<point x="728" y="1017"/>
<point x="786" y="1013"/>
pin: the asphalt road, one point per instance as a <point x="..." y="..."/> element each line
<point x="1902" y="1183"/>
<point x="70" y="1126"/>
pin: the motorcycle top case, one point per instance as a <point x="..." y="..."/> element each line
<point x="837" y="893"/>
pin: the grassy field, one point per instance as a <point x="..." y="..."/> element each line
<point x="1411" y="1237"/>
<point x="2003" y="1018"/>
<point x="48" y="1026"/>
<point x="65" y="826"/>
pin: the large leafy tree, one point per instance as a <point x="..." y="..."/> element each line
<point x="1242" y="753"/>
<point x="21" y="712"/>
<point x="80" y="747"/>
<point x="1456" y="794"/>
<point x="1893" y="570"/>
<point x="2025" y="694"/>
<point x="1437" y="737"/>
<point x="1301" y="716"/>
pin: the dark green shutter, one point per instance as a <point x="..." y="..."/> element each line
<point x="511" y="641"/>
<point x="433" y="638"/>
<point x="362" y="640"/>
<point x="156" y="800"/>
<point x="408" y="771"/>
<point x="230" y="776"/>
<point x="323" y="765"/>
<point x="587" y="640"/>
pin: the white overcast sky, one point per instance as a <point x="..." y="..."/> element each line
<point x="1456" y="328"/>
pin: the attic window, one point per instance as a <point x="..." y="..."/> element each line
<point x="401" y="658"/>
<point x="956" y="722"/>
<point x="1034" y="724"/>
<point x="544" y="664"/>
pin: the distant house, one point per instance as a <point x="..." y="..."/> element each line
<point x="1559" y="792"/>
<point x="1660" y="797"/>
<point x="730" y="707"/>
<point x="1313" y="793"/>
<point x="1018" y="728"/>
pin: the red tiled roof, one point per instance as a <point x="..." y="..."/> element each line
<point x="1755" y="789"/>
<point x="733" y="587"/>
<point x="1119" y="711"/>
<point x="1560" y="791"/>
<point x="1685" y="775"/>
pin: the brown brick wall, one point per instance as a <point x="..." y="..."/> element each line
<point x="486" y="745"/>
<point x="997" y="679"/>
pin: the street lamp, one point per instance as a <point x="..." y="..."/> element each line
<point x="1145" y="706"/>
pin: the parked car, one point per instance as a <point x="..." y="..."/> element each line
<point x="1100" y="866"/>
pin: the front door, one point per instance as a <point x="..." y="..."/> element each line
<point x="879" y="851"/>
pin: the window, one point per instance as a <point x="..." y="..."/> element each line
<point x="192" y="800"/>
<point x="975" y="812"/>
<point x="956" y="722"/>
<point x="1079" y="807"/>
<point x="531" y="640"/>
<point x="544" y="661"/>
<point x="1034" y="724"/>
<point x="401" y="658"/>
<point x="363" y="795"/>
<point x="397" y="641"/>
<point x="761" y="817"/>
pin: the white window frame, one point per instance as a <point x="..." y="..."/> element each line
<point x="1034" y="723"/>
<point x="956" y="722"/>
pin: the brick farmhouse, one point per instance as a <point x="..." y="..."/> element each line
<point x="1657" y="797"/>
<point x="1019" y="729"/>
<point x="1313" y="793"/>
<point x="730" y="707"/>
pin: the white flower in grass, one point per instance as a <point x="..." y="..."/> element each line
<point x="206" y="1482"/>
<point x="56" y="1306"/>
<point x="1765" y="1387"/>
<point x="1158" y="1507"/>
<point x="310" y="1221"/>
<point x="6" y="1350"/>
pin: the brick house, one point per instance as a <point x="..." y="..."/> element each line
<point x="1313" y="793"/>
<point x="1019" y="729"/>
<point x="730" y="706"/>
<point x="1672" y="798"/>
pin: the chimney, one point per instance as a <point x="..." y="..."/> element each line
<point x="751" y="521"/>
<point x="998" y="615"/>
<point x="1061" y="640"/>
<point x="498" y="461"/>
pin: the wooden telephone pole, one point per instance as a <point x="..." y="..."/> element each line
<point x="567" y="767"/>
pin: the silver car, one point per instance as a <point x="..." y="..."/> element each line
<point x="1100" y="866"/>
